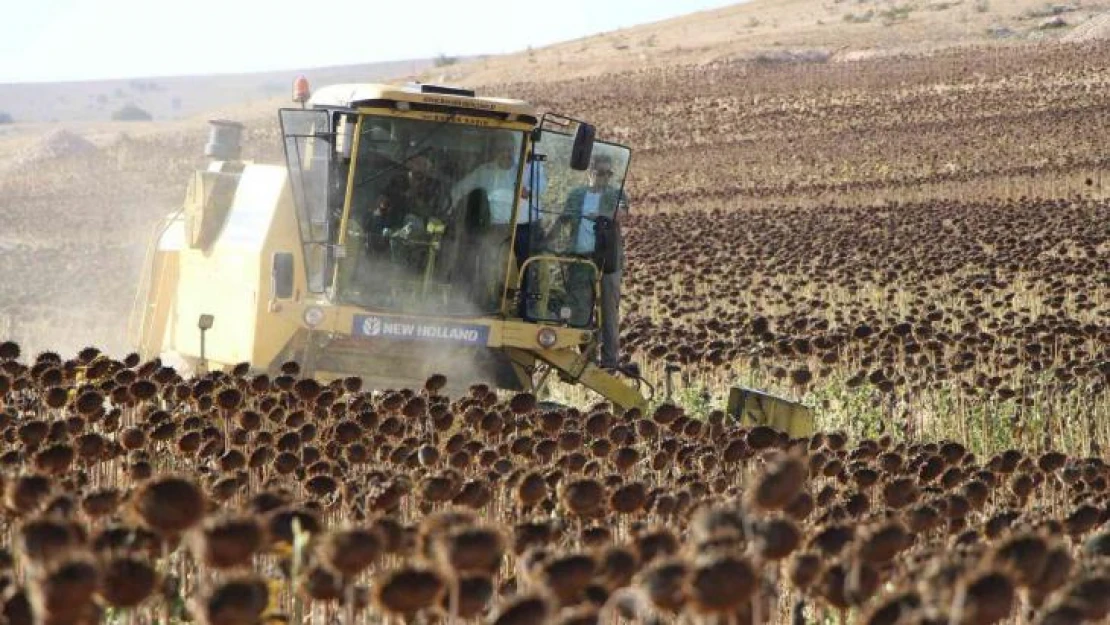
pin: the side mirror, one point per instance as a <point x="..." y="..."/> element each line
<point x="281" y="275"/>
<point x="583" y="147"/>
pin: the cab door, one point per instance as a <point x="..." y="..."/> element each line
<point x="571" y="214"/>
<point x="309" y="154"/>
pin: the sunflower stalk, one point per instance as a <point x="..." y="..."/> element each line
<point x="300" y="544"/>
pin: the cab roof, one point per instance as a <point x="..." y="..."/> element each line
<point x="355" y="95"/>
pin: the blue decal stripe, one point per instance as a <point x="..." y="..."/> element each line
<point x="375" y="326"/>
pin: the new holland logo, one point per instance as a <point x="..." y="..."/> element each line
<point x="414" y="330"/>
<point x="372" y="326"/>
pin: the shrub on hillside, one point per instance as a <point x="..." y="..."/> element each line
<point x="131" y="113"/>
<point x="6" y="118"/>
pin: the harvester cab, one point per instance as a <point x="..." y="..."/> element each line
<point x="412" y="230"/>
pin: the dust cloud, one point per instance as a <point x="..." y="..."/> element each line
<point x="78" y="217"/>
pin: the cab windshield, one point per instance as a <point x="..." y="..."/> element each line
<point x="429" y="224"/>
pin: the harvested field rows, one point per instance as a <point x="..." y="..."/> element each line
<point x="738" y="131"/>
<point x="922" y="238"/>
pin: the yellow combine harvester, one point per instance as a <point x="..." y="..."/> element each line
<point x="390" y="246"/>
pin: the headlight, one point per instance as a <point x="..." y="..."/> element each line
<point x="313" y="316"/>
<point x="546" y="337"/>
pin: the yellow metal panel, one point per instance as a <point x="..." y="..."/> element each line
<point x="524" y="335"/>
<point x="278" y="321"/>
<point x="511" y="270"/>
<point x="576" y="368"/>
<point x="207" y="200"/>
<point x="349" y="193"/>
<point x="502" y="333"/>
<point x="758" y="408"/>
<point x="499" y="105"/>
<point x="159" y="300"/>
<point x="483" y="122"/>
<point x="227" y="281"/>
<point x="252" y="213"/>
<point x="157" y="286"/>
<point x="224" y="285"/>
<point x="404" y="360"/>
<point x="344" y="95"/>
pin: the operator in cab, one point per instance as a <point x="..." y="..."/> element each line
<point x="415" y="200"/>
<point x="420" y="194"/>
<point x="497" y="178"/>
<point x="406" y="206"/>
<point x="485" y="201"/>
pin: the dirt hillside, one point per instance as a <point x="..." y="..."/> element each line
<point x="778" y="30"/>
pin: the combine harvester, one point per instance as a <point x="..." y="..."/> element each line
<point x="384" y="248"/>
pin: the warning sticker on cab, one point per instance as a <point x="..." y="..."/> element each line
<point x="374" y="326"/>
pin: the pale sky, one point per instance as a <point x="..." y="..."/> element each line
<point x="61" y="40"/>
